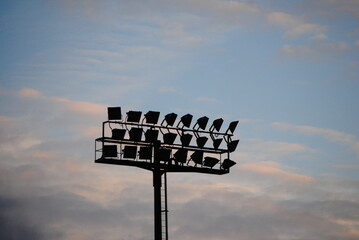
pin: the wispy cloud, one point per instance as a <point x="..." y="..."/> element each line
<point x="55" y="190"/>
<point x="346" y="139"/>
<point x="316" y="51"/>
<point x="274" y="169"/>
<point x="294" y="25"/>
<point x="206" y="99"/>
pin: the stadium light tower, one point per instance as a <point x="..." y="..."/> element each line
<point x="139" y="141"/>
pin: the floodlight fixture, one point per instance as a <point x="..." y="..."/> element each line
<point x="130" y="152"/>
<point x="181" y="155"/>
<point x="210" y="162"/>
<point x="134" y="116"/>
<point x="186" y="139"/>
<point x="162" y="154"/>
<point x="114" y="113"/>
<point x="227" y="164"/>
<point x="201" y="122"/>
<point x="197" y="157"/>
<point x="152" y="117"/>
<point x="109" y="151"/>
<point x="135" y="134"/>
<point x="186" y="120"/>
<point x="201" y="141"/>
<point x="169" y="138"/>
<point x="232" y="126"/>
<point x="118" y="134"/>
<point x="216" y="125"/>
<point x="151" y="135"/>
<point x="170" y="119"/>
<point x="232" y="145"/>
<point x="145" y="153"/>
<point x="217" y="142"/>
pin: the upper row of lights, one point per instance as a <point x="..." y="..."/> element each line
<point x="152" y="117"/>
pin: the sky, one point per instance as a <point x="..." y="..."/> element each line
<point x="287" y="70"/>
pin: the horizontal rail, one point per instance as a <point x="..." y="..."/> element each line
<point x="163" y="167"/>
<point x="169" y="128"/>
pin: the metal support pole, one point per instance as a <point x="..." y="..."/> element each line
<point x="157" y="203"/>
<point x="166" y="207"/>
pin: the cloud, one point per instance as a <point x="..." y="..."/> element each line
<point x="257" y="150"/>
<point x="334" y="9"/>
<point x="81" y="107"/>
<point x="319" y="36"/>
<point x="53" y="189"/>
<point x="73" y="106"/>
<point x="274" y="169"/>
<point x="168" y="90"/>
<point x="294" y="25"/>
<point x="334" y="136"/>
<point x="206" y="99"/>
<point x="30" y="93"/>
<point x="321" y="50"/>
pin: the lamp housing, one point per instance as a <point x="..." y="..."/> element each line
<point x="114" y="113"/>
<point x="134" y="116"/>
<point x="130" y="152"/>
<point x="152" y="117"/>
<point x="170" y="119"/>
<point x="202" y="122"/>
<point x="109" y="151"/>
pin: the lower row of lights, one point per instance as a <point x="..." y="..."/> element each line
<point x="180" y="157"/>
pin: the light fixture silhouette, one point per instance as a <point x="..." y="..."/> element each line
<point x="210" y="162"/>
<point x="169" y="138"/>
<point x="152" y="117"/>
<point x="130" y="152"/>
<point x="169" y="119"/>
<point x="232" y="126"/>
<point x="151" y="135"/>
<point x="186" y="120"/>
<point x="134" y="116"/>
<point x="145" y="153"/>
<point x="201" y="141"/>
<point x="201" y="123"/>
<point x="217" y="142"/>
<point x="162" y="154"/>
<point x="227" y="164"/>
<point x="186" y="139"/>
<point x="135" y="134"/>
<point x="216" y="125"/>
<point x="109" y="151"/>
<point x="114" y="113"/>
<point x="181" y="155"/>
<point x="118" y="134"/>
<point x="233" y="145"/>
<point x="197" y="157"/>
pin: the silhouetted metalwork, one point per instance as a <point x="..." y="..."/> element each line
<point x="155" y="147"/>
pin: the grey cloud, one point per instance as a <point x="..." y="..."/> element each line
<point x="53" y="190"/>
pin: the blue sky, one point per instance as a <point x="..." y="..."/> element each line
<point x="288" y="70"/>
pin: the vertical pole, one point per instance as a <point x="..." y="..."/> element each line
<point x="157" y="203"/>
<point x="166" y="209"/>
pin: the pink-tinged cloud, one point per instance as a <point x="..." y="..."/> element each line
<point x="30" y="93"/>
<point x="206" y="99"/>
<point x="75" y="106"/>
<point x="6" y="120"/>
<point x="81" y="107"/>
<point x="274" y="169"/>
<point x="294" y="25"/>
<point x="334" y="136"/>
